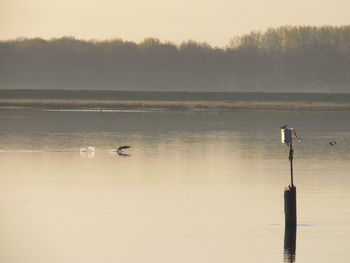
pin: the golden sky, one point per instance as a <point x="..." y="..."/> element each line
<point x="212" y="21"/>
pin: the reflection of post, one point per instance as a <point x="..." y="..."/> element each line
<point x="290" y="233"/>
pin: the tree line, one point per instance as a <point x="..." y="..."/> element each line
<point x="303" y="58"/>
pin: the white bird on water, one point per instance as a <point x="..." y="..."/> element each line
<point x="87" y="149"/>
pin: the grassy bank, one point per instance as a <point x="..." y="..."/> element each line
<point x="90" y="99"/>
<point x="107" y="95"/>
<point x="173" y="105"/>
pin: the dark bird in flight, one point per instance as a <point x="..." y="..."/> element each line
<point x="122" y="148"/>
<point x="332" y="143"/>
<point x="284" y="126"/>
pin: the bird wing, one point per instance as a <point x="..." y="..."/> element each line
<point x="123" y="147"/>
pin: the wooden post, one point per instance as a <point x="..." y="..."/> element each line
<point x="290" y="195"/>
<point x="290" y="206"/>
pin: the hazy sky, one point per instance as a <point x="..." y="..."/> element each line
<point x="212" y="21"/>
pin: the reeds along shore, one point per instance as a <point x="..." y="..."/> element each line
<point x="173" y="105"/>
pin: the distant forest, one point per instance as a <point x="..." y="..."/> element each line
<point x="291" y="59"/>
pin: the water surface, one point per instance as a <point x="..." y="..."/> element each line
<point x="197" y="186"/>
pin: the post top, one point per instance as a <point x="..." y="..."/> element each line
<point x="288" y="134"/>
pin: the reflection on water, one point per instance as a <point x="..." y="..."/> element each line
<point x="87" y="154"/>
<point x="123" y="154"/>
<point x="289" y="243"/>
<point x="197" y="187"/>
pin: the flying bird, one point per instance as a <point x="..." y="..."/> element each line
<point x="122" y="148"/>
<point x="333" y="143"/>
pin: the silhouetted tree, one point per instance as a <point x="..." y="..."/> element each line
<point x="301" y="58"/>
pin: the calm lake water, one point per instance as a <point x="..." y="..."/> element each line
<point x="197" y="187"/>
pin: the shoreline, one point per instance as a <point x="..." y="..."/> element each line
<point x="171" y="105"/>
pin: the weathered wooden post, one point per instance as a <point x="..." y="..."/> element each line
<point x="290" y="199"/>
<point x="290" y="193"/>
<point x="290" y="206"/>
